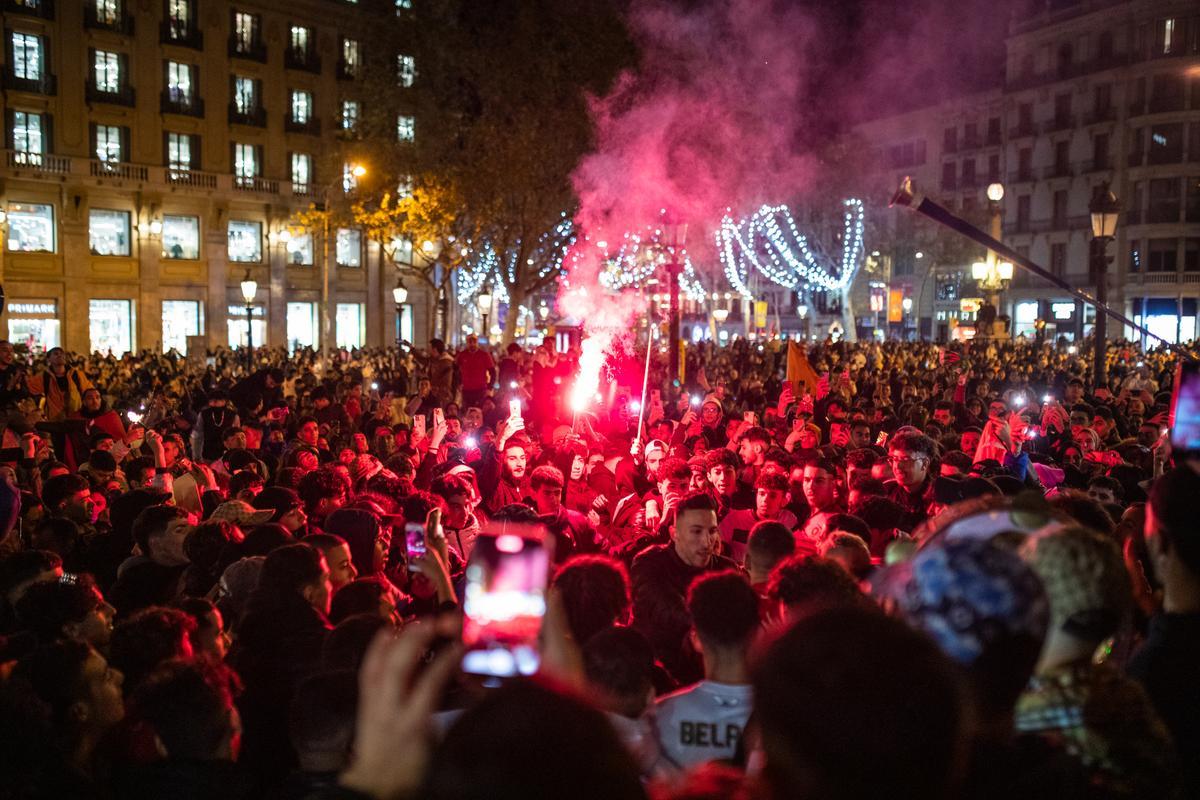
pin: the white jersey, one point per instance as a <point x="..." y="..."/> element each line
<point x="703" y="722"/>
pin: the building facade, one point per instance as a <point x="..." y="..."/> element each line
<point x="1094" y="91"/>
<point x="157" y="154"/>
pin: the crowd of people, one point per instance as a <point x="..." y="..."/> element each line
<point x="934" y="572"/>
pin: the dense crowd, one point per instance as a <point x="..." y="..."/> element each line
<point x="933" y="572"/>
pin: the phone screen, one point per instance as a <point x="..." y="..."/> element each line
<point x="418" y="429"/>
<point x="1185" y="409"/>
<point x="514" y="409"/>
<point x="414" y="541"/>
<point x="505" y="600"/>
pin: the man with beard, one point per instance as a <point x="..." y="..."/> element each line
<point x="503" y="471"/>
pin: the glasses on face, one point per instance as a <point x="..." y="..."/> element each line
<point x="905" y="461"/>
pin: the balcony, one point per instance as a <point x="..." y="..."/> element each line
<point x="1063" y="122"/>
<point x="254" y="50"/>
<point x="46" y="84"/>
<point x="119" y="169"/>
<point x="34" y="8"/>
<point x="971" y="143"/>
<point x="969" y="182"/>
<point x="311" y="126"/>
<point x="180" y="35"/>
<point x="1021" y="176"/>
<point x="347" y="72"/>
<point x="188" y="105"/>
<point x="119" y="23"/>
<point x="254" y="116"/>
<point x="253" y="183"/>
<point x="306" y="60"/>
<point x="192" y="178"/>
<point x="1165" y="104"/>
<point x="38" y="162"/>
<point x="1022" y="130"/>
<point x="303" y="190"/>
<point x="1057" y="171"/>
<point x="1101" y="115"/>
<point x="123" y="96"/>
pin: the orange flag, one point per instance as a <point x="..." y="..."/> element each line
<point x="799" y="372"/>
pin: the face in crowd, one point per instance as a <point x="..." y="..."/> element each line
<point x="515" y="461"/>
<point x="697" y="536"/>
<point x="820" y="488"/>
<point x="909" y="468"/>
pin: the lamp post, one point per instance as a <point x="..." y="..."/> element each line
<point x="1104" y="209"/>
<point x="399" y="295"/>
<point x="357" y="170"/>
<point x="249" y="290"/>
<point x="485" y="308"/>
<point x="674" y="234"/>
<point x="802" y="312"/>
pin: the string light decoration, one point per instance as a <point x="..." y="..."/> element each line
<point x="484" y="265"/>
<point x="641" y="257"/>
<point x="769" y="242"/>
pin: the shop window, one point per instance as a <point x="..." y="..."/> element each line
<point x="181" y="237"/>
<point x="180" y="319"/>
<point x="236" y="325"/>
<point x="351" y="325"/>
<point x="349" y="247"/>
<point x="245" y="241"/>
<point x="302" y="326"/>
<point x="34" y="323"/>
<point x="108" y="232"/>
<point x="300" y="250"/>
<point x="31" y="228"/>
<point x="110" y="326"/>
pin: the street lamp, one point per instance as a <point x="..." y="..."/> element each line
<point x="720" y="315"/>
<point x="399" y="295"/>
<point x="357" y="170"/>
<point x="543" y="311"/>
<point x="485" y="308"/>
<point x="995" y="192"/>
<point x="249" y="290"/>
<point x="673" y="237"/>
<point x="1104" y="209"/>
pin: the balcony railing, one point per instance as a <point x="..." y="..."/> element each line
<point x="254" y="116"/>
<point x="1100" y="164"/>
<point x="180" y="35"/>
<point x="253" y="183"/>
<point x="120" y="23"/>
<point x="191" y="106"/>
<point x="123" y="96"/>
<point x="307" y="60"/>
<point x="39" y="162"/>
<point x="190" y="177"/>
<point x="1021" y="176"/>
<point x="119" y="169"/>
<point x="35" y="8"/>
<point x="1021" y="130"/>
<point x="46" y="84"/>
<point x="1062" y="122"/>
<point x="311" y="126"/>
<point x="255" y="50"/>
<point x="1057" y="171"/>
<point x="303" y="190"/>
<point x="1101" y="115"/>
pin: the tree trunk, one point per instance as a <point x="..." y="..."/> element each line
<point x="516" y="296"/>
<point x="851" y="330"/>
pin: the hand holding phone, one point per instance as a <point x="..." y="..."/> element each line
<point x="418" y="427"/>
<point x="514" y="408"/>
<point x="439" y="418"/>
<point x="414" y="545"/>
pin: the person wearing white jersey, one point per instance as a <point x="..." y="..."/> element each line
<point x="704" y="722"/>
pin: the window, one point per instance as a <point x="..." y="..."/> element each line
<point x="301" y="107"/>
<point x="108" y="12"/>
<point x="406" y="70"/>
<point x="948" y="174"/>
<point x="1137" y="101"/>
<point x="994" y="169"/>
<point x="28" y="137"/>
<point x="1023" y="213"/>
<point x="180" y="319"/>
<point x="246" y="163"/>
<point x="349" y="115"/>
<point x="30" y="228"/>
<point x="1100" y="151"/>
<point x="950" y="140"/>
<point x="349" y="247"/>
<point x="968" y="172"/>
<point x="302" y="326"/>
<point x="1135" y="256"/>
<point x="1167" y="40"/>
<point x="236" y="325"/>
<point x="1192" y="209"/>
<point x="245" y="94"/>
<point x="1167" y="93"/>
<point x="1163" y="255"/>
<point x="108" y="143"/>
<point x="179" y="82"/>
<point x="110" y="323"/>
<point x="106" y="71"/>
<point x="350" y="322"/>
<point x="1166" y="144"/>
<point x="300" y="250"/>
<point x="1191" y="255"/>
<point x="1025" y="117"/>
<point x="181" y="238"/>
<point x="406" y="128"/>
<point x="1137" y="146"/>
<point x="245" y="32"/>
<point x="1194" y="141"/>
<point x="403" y="5"/>
<point x="245" y="241"/>
<point x="402" y="250"/>
<point x="1058" y="258"/>
<point x="1102" y="101"/>
<point x="1164" y="199"/>
<point x="34" y="323"/>
<point x="301" y="171"/>
<point x="27" y="56"/>
<point x="180" y="151"/>
<point x="971" y="134"/>
<point x="1060" y="208"/>
<point x="108" y="232"/>
<point x="1062" y="157"/>
<point x="1062" y="110"/>
<point x="993" y="132"/>
<point x="299" y="39"/>
<point x="351" y="58"/>
<point x="405" y="187"/>
<point x="179" y="19"/>
<point x="1104" y="45"/>
<point x="349" y="179"/>
<point x="1025" y="164"/>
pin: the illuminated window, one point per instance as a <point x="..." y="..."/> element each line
<point x="108" y="232"/>
<point x="349" y="115"/>
<point x="109" y="143"/>
<point x="180" y="319"/>
<point x="301" y="107"/>
<point x="106" y="71"/>
<point x="28" y="137"/>
<point x="405" y="128"/>
<point x="110" y="325"/>
<point x="301" y="171"/>
<point x="245" y="241"/>
<point x="349" y="247"/>
<point x="26" y="56"/>
<point x="406" y="70"/>
<point x="30" y="228"/>
<point x="181" y="237"/>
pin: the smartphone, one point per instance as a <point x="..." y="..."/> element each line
<point x="696" y="400"/>
<point x="133" y="416"/>
<point x="514" y="409"/>
<point x="1185" y="409"/>
<point x="439" y="417"/>
<point x="418" y="428"/>
<point x="505" y="600"/>
<point x="414" y="542"/>
<point x="881" y="439"/>
<point x="1047" y="398"/>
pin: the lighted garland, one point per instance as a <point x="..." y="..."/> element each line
<point x="641" y="257"/>
<point x="484" y="267"/>
<point x="769" y="242"/>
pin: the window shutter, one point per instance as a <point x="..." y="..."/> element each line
<point x="233" y="157"/>
<point x="195" y="151"/>
<point x="126" y="144"/>
<point x="258" y="160"/>
<point x="91" y="66"/>
<point x="92" y="137"/>
<point x="166" y="151"/>
<point x="9" y="124"/>
<point x="48" y="133"/>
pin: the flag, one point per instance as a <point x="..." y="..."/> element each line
<point x="950" y="357"/>
<point x="799" y="372"/>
